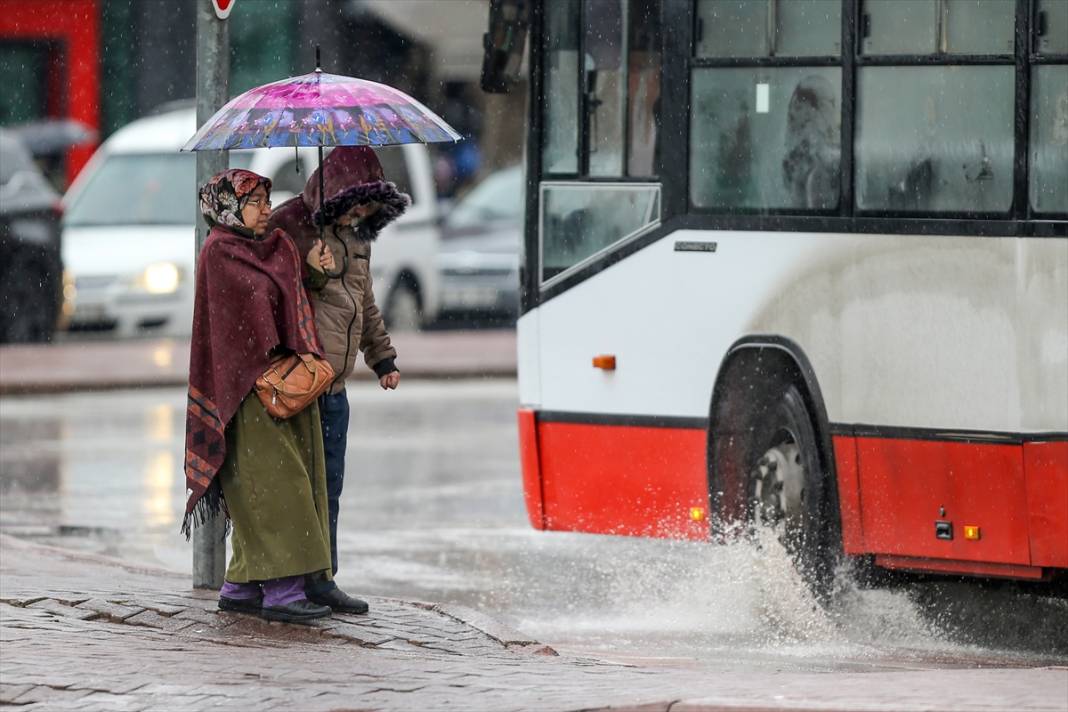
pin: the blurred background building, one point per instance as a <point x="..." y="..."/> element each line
<point x="104" y="63"/>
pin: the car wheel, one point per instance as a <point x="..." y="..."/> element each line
<point x="27" y="304"/>
<point x="403" y="312"/>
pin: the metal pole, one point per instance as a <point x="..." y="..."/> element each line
<point x="213" y="75"/>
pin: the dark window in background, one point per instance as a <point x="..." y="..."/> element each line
<point x="24" y="97"/>
<point x="263" y="43"/>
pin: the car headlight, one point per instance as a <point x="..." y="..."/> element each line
<point x="160" y="278"/>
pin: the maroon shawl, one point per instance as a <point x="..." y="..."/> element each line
<point x="249" y="300"/>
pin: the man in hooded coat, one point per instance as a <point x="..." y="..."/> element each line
<point x="357" y="203"/>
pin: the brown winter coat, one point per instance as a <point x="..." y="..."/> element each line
<point x="347" y="318"/>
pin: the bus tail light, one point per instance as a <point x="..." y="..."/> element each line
<point x="971" y="532"/>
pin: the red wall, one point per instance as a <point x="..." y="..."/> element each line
<point x="74" y="24"/>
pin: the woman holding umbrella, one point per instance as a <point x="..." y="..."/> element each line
<point x="320" y="110"/>
<point x="266" y="474"/>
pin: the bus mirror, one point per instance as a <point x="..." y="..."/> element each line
<point x="503" y="44"/>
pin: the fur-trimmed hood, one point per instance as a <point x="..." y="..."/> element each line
<point x="353" y="175"/>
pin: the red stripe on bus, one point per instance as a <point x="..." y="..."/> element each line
<point x="629" y="480"/>
<point x="528" y="459"/>
<point x="1046" y="468"/>
<point x="908" y="485"/>
<point x="650" y="481"/>
<point x="845" y="458"/>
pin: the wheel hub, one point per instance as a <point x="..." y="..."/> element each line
<point x="777" y="485"/>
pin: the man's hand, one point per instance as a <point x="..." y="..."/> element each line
<point x="320" y="258"/>
<point x="389" y="381"/>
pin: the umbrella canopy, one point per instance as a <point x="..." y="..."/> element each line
<point x="320" y="109"/>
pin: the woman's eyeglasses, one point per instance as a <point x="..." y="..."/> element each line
<point x="259" y="203"/>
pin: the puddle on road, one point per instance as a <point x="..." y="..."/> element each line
<point x="434" y="511"/>
<point x="732" y="607"/>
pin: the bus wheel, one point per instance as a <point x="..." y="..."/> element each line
<point x="788" y="489"/>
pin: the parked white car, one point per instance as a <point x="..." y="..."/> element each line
<point x="479" y="257"/>
<point x="128" y="230"/>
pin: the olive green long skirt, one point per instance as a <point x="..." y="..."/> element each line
<point x="274" y="484"/>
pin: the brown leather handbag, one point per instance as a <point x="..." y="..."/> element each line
<point x="292" y="382"/>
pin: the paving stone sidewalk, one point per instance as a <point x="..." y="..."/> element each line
<point x="82" y="632"/>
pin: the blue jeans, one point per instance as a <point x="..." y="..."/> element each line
<point x="334" y="414"/>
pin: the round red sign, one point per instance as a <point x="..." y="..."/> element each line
<point x="223" y="8"/>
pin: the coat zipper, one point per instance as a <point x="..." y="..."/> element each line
<point x="348" y="332"/>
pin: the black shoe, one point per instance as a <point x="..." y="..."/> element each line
<point x="339" y="601"/>
<point x="296" y="612"/>
<point x="241" y="605"/>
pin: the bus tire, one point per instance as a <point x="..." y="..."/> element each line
<point x="788" y="488"/>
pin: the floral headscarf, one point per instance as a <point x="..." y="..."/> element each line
<point x="223" y="196"/>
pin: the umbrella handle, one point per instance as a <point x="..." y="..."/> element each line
<point x="322" y="224"/>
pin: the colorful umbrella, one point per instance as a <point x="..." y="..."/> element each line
<point x="320" y="109"/>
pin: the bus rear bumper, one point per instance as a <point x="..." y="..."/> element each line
<point x="964" y="568"/>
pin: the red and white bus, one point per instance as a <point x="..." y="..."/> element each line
<point x="801" y="261"/>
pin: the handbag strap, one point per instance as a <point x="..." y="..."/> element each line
<point x="275" y="379"/>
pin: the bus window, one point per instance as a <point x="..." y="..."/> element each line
<point x="766" y="137"/>
<point x="979" y="27"/>
<point x="759" y="28"/>
<point x="1051" y="19"/>
<point x="643" y="82"/>
<point x="604" y="79"/>
<point x="936" y="139"/>
<point x="560" y="148"/>
<point x="1049" y="138"/>
<point x="615" y="59"/>
<point x="580" y="220"/>
<point x="938" y="26"/>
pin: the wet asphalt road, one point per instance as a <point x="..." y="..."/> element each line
<point x="433" y="510"/>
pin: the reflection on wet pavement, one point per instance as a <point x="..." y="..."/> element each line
<point x="432" y="510"/>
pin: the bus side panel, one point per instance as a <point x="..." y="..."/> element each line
<point x="1046" y="467"/>
<point x="906" y="483"/>
<point x="531" y="465"/>
<point x="845" y="458"/>
<point x="614" y="479"/>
